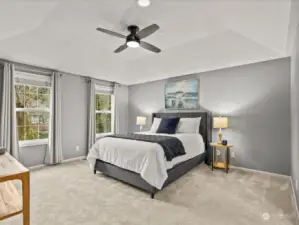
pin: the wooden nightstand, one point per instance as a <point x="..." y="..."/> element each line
<point x="223" y="165"/>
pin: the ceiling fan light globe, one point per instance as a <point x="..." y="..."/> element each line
<point x="133" y="44"/>
<point x="144" y="3"/>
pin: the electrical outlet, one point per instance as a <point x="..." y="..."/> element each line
<point x="233" y="154"/>
<point x="296" y="185"/>
<point x="218" y="152"/>
<point x="77" y="148"/>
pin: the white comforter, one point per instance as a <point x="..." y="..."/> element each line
<point x="144" y="158"/>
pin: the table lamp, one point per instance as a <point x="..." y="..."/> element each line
<point x="141" y="120"/>
<point x="220" y="122"/>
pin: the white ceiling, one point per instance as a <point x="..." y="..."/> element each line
<point x="194" y="35"/>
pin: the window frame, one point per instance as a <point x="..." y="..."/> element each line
<point x="35" y="142"/>
<point x="111" y="111"/>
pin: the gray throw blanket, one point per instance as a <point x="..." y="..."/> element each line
<point x="172" y="146"/>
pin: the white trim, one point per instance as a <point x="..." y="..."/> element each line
<point x="64" y="161"/>
<point x="102" y="93"/>
<point x="104" y="111"/>
<point x="29" y="143"/>
<point x="34" y="85"/>
<point x="295" y="198"/>
<point x="32" y="76"/>
<point x="74" y="159"/>
<point x="102" y="89"/>
<point x="32" y="110"/>
<point x="259" y="171"/>
<point x="32" y="168"/>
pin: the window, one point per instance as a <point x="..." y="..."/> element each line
<point x="104" y="113"/>
<point x="32" y="111"/>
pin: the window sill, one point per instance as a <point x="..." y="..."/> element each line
<point x="33" y="143"/>
<point x="102" y="135"/>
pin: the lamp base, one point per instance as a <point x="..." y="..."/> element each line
<point x="220" y="137"/>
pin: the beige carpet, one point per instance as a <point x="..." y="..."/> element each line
<point x="70" y="194"/>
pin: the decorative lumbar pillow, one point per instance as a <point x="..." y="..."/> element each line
<point x="155" y="125"/>
<point x="188" y="125"/>
<point x="2" y="150"/>
<point x="168" y="125"/>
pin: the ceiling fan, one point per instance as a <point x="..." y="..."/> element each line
<point x="134" y="39"/>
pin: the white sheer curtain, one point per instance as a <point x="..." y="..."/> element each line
<point x="54" y="150"/>
<point x="117" y="108"/>
<point x="8" y="119"/>
<point x="91" y="115"/>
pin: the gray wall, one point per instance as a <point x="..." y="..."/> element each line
<point x="74" y="116"/>
<point x="295" y="114"/>
<point x="255" y="97"/>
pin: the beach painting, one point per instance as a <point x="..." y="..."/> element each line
<point x="182" y="94"/>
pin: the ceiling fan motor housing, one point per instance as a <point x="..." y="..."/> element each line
<point x="133" y="38"/>
<point x="133" y="29"/>
<point x="133" y="34"/>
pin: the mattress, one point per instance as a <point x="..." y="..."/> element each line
<point x="144" y="158"/>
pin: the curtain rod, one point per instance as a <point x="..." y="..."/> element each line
<point x="3" y="60"/>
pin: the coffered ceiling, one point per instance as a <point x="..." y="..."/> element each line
<point x="194" y="35"/>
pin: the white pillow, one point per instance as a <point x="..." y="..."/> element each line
<point x="155" y="125"/>
<point x="188" y="125"/>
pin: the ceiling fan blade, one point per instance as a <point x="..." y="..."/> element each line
<point x="121" y="48"/>
<point x="149" y="47"/>
<point x="112" y="33"/>
<point x="145" y="32"/>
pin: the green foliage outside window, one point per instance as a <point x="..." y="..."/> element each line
<point x="32" y="125"/>
<point x="103" y="113"/>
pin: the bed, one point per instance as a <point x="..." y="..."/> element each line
<point x="196" y="154"/>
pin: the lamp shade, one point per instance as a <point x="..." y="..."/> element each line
<point x="220" y="122"/>
<point x="141" y="120"/>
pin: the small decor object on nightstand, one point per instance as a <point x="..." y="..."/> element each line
<point x="220" y="122"/>
<point x="221" y="165"/>
<point x="224" y="142"/>
<point x="141" y="120"/>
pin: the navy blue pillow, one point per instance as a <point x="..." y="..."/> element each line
<point x="168" y="125"/>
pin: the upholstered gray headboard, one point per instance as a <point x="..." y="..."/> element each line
<point x="205" y="128"/>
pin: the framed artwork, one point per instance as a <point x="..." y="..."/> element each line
<point x="182" y="94"/>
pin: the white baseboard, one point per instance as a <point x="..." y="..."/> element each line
<point x="74" y="159"/>
<point x="259" y="171"/>
<point x="64" y="161"/>
<point x="37" y="167"/>
<point x="295" y="198"/>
